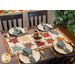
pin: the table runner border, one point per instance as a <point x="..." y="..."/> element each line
<point x="9" y="51"/>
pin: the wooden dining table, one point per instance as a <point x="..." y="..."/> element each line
<point x="47" y="52"/>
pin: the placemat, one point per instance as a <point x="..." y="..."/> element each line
<point x="15" y="45"/>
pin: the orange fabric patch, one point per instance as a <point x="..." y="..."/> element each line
<point x="59" y="38"/>
<point x="50" y="40"/>
<point x="25" y="39"/>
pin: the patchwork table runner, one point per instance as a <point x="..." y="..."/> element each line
<point x="16" y="44"/>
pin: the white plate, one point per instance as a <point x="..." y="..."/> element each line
<point x="12" y="30"/>
<point x="40" y="27"/>
<point x="25" y="59"/>
<point x="61" y="50"/>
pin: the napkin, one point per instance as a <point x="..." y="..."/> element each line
<point x="60" y="44"/>
<point x="17" y="32"/>
<point x="67" y="50"/>
<point x="55" y="32"/>
<point x="46" y="28"/>
<point x="24" y="53"/>
<point x="27" y="51"/>
<point x="32" y="60"/>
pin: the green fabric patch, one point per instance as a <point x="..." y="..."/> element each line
<point x="16" y="49"/>
<point x="55" y="32"/>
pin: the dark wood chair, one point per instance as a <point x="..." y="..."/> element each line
<point x="66" y="59"/>
<point x="69" y="59"/>
<point x="11" y="17"/>
<point x="37" y="14"/>
<point x="47" y="61"/>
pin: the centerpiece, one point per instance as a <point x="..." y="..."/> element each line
<point x="37" y="35"/>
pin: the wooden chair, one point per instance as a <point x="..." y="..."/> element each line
<point x="37" y="14"/>
<point x="69" y="59"/>
<point x="66" y="59"/>
<point x="11" y="17"/>
<point x="47" y="61"/>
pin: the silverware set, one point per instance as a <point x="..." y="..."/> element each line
<point x="42" y="55"/>
<point x="73" y="45"/>
<point x="17" y="57"/>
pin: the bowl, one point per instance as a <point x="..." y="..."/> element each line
<point x="37" y="36"/>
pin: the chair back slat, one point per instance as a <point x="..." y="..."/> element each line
<point x="2" y="25"/>
<point x="7" y="24"/>
<point x="46" y="17"/>
<point x="30" y="21"/>
<point x="22" y="22"/>
<point x="41" y="18"/>
<point x="11" y="18"/>
<point x="33" y="20"/>
<point x="37" y="14"/>
<point x="12" y="23"/>
<point x="17" y="22"/>
<point x="37" y="20"/>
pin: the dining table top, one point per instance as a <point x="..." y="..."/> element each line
<point x="47" y="52"/>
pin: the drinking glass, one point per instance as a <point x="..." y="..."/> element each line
<point x="26" y="29"/>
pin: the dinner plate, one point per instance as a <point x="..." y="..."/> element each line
<point x="25" y="59"/>
<point x="68" y="46"/>
<point x="12" y="30"/>
<point x="40" y="27"/>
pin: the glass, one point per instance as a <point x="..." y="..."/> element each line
<point x="26" y="29"/>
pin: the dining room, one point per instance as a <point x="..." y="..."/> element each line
<point x="37" y="37"/>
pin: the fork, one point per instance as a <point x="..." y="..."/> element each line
<point x="42" y="55"/>
<point x="72" y="44"/>
<point x="18" y="59"/>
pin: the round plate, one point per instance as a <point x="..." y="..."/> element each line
<point x="40" y="27"/>
<point x="12" y="30"/>
<point x="61" y="50"/>
<point x="25" y="59"/>
<point x="6" y="57"/>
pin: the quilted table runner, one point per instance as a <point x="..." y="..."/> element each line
<point x="16" y="44"/>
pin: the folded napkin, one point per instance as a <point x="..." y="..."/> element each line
<point x="24" y="53"/>
<point x="17" y="32"/>
<point x="61" y="45"/>
<point x="67" y="50"/>
<point x="46" y="28"/>
<point x="32" y="60"/>
<point x="28" y="52"/>
<point x="55" y="32"/>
